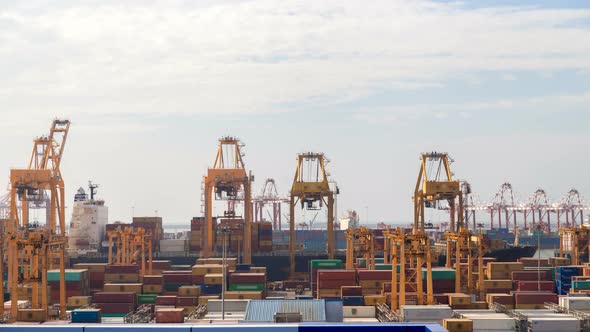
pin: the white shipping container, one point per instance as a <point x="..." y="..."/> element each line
<point x="575" y="303"/>
<point x="492" y="322"/>
<point x="426" y="312"/>
<point x="552" y="324"/>
<point x="358" y="312"/>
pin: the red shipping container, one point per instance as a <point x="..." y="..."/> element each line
<point x="115" y="308"/>
<point x="166" y="300"/>
<point x="122" y="269"/>
<point x="96" y="276"/>
<point x="531" y="275"/>
<point x="534" y="297"/>
<point x="336" y="275"/>
<point x="387" y="287"/>
<point x="542" y="286"/>
<point x="247" y="278"/>
<point x="161" y="265"/>
<point x="335" y="284"/>
<point x="169" y="315"/>
<point x="178" y="278"/>
<point x="71" y="285"/>
<point x="153" y="280"/>
<point x="188" y="301"/>
<point x="198" y="279"/>
<point x="351" y="290"/>
<point x="114" y="297"/>
<point x="374" y="275"/>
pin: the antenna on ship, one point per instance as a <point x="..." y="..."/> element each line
<point x="92" y="188"/>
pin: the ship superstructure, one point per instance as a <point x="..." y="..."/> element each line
<point x="87" y="226"/>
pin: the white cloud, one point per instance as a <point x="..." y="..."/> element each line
<point x="256" y="56"/>
<point x="552" y="103"/>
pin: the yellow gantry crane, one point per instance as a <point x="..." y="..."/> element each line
<point x="360" y="242"/>
<point x="228" y="177"/>
<point x="131" y="245"/>
<point x="31" y="248"/>
<point x="574" y="240"/>
<point x="312" y="190"/>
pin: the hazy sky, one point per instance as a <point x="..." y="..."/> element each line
<point x="503" y="86"/>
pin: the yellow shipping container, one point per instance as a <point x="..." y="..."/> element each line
<point x="214" y="279"/>
<point x="495" y="284"/>
<point x="189" y="291"/>
<point x="152" y="289"/>
<point x="246" y="295"/>
<point x="459" y="299"/>
<point x="205" y="299"/>
<point x="329" y="292"/>
<point x="259" y="269"/>
<point x="113" y="287"/>
<point x="458" y="324"/>
<point x="78" y="301"/>
<point x="201" y="270"/>
<point x="31" y="315"/>
<point x="375" y="299"/>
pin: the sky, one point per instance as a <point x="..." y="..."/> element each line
<point x="150" y="86"/>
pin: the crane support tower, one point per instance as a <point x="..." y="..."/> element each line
<point x="360" y="242"/>
<point x="311" y="189"/>
<point x="31" y="247"/>
<point x="574" y="240"/>
<point x="131" y="245"/>
<point x="226" y="179"/>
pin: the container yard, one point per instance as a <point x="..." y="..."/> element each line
<point x="416" y="278"/>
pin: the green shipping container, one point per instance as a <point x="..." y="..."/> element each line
<point x="172" y="287"/>
<point x="69" y="275"/>
<point x="326" y="264"/>
<point x="146" y="298"/>
<point x="383" y="267"/>
<point x="440" y="273"/>
<point x="246" y="287"/>
<point x="581" y="284"/>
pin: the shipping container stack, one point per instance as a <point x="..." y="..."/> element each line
<point x="96" y="274"/>
<point x="77" y="284"/>
<point x="208" y="276"/>
<point x="498" y="283"/>
<point x="153" y="284"/>
<point x="122" y="273"/>
<point x="173" y="279"/>
<point x="115" y="304"/>
<point x="324" y="264"/>
<point x="199" y="233"/>
<point x="372" y="281"/>
<point x="246" y="285"/>
<point x="330" y="283"/>
<point x="188" y="298"/>
<point x="265" y="237"/>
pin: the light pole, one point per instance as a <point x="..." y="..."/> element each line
<point x="539" y="228"/>
<point x="225" y="231"/>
